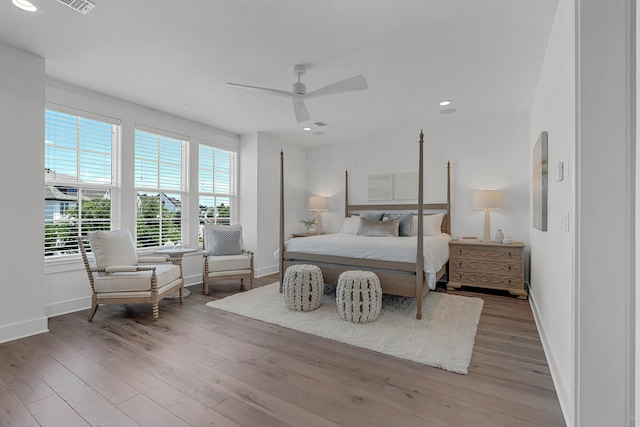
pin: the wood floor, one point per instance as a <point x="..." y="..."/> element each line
<point x="199" y="366"/>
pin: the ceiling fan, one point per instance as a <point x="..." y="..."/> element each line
<point x="299" y="93"/>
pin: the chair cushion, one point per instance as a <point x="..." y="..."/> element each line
<point x="113" y="248"/>
<point x="226" y="242"/>
<point x="137" y="281"/>
<point x="228" y="262"/>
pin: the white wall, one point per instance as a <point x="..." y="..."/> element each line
<point x="552" y="253"/>
<point x="22" y="78"/>
<point x="268" y="197"/>
<point x="65" y="283"/>
<point x="605" y="214"/>
<point x="483" y="155"/>
<point x="248" y="191"/>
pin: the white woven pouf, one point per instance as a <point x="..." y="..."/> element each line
<point x="359" y="296"/>
<point x="303" y="287"/>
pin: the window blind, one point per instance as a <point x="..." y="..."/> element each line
<point x="216" y="183"/>
<point x="79" y="178"/>
<point x="160" y="181"/>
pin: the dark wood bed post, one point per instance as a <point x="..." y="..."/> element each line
<point x="281" y="261"/>
<point x="419" y="253"/>
<point x="346" y="193"/>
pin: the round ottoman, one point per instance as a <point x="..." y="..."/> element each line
<point x="359" y="296"/>
<point x="303" y="287"/>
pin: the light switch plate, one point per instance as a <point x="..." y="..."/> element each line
<point x="559" y="171"/>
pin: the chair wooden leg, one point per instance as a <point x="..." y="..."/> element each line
<point x="251" y="282"/>
<point x="155" y="310"/>
<point x="180" y="293"/>
<point x="205" y="286"/>
<point x="94" y="307"/>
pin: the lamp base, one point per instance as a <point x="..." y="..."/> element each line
<point x="486" y="231"/>
<point x="318" y="222"/>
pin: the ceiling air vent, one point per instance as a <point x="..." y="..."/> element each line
<point x="320" y="124"/>
<point x="82" y="6"/>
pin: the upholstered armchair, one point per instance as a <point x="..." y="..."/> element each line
<point x="120" y="277"/>
<point x="225" y="256"/>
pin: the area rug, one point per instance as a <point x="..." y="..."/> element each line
<point x="443" y="338"/>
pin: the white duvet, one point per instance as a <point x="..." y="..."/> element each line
<point x="436" y="249"/>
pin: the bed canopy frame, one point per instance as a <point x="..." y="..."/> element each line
<point x="398" y="278"/>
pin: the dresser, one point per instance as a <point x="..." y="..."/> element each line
<point x="488" y="265"/>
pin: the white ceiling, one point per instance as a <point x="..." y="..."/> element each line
<point x="177" y="56"/>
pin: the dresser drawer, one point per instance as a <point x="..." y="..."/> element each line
<point x="487" y="252"/>
<point x="486" y="265"/>
<point x="487" y="280"/>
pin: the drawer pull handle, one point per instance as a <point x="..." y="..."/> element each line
<point x="459" y="264"/>
<point x="509" y="254"/>
<point x="509" y="268"/>
<point x="509" y="281"/>
<point x="460" y="276"/>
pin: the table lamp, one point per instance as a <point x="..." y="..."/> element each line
<point x="487" y="200"/>
<point x="318" y="204"/>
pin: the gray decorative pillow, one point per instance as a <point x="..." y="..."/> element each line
<point x="405" y="222"/>
<point x="226" y="242"/>
<point x="372" y="215"/>
<point x="379" y="228"/>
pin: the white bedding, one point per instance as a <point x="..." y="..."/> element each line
<point x="436" y="249"/>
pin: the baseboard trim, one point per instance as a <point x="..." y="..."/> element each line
<point x="15" y="331"/>
<point x="265" y="271"/>
<point x="562" y="389"/>
<point x="66" y="307"/>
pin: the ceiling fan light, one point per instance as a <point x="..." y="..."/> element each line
<point x="299" y="88"/>
<point x="307" y="129"/>
<point x="25" y="5"/>
<point x="445" y="102"/>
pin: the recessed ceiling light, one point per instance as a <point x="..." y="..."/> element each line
<point x="307" y="129"/>
<point x="27" y="5"/>
<point x="445" y="102"/>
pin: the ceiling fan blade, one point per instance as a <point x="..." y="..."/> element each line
<point x="268" y="90"/>
<point x="354" y="83"/>
<point x="302" y="114"/>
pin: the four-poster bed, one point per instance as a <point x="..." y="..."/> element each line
<point x="412" y="276"/>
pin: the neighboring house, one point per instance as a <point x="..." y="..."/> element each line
<point x="60" y="197"/>
<point x="171" y="204"/>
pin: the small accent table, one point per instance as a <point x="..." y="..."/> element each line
<point x="175" y="256"/>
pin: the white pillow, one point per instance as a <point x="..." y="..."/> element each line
<point x="351" y="225"/>
<point x="432" y="225"/>
<point x="113" y="248"/>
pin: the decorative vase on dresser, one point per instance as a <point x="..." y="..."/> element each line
<point x="487" y="265"/>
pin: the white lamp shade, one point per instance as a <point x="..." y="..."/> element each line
<point x="488" y="199"/>
<point x="318" y="203"/>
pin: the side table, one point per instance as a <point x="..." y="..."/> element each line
<point x="294" y="235"/>
<point x="487" y="265"/>
<point x="175" y="256"/>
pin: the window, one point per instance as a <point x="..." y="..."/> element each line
<point x="216" y="183"/>
<point x="161" y="185"/>
<point x="79" y="178"/>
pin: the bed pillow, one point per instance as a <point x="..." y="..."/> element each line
<point x="351" y="225"/>
<point x="226" y="242"/>
<point x="432" y="225"/>
<point x="379" y="228"/>
<point x="405" y="222"/>
<point x="372" y="216"/>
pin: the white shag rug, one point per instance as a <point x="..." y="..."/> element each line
<point x="443" y="338"/>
